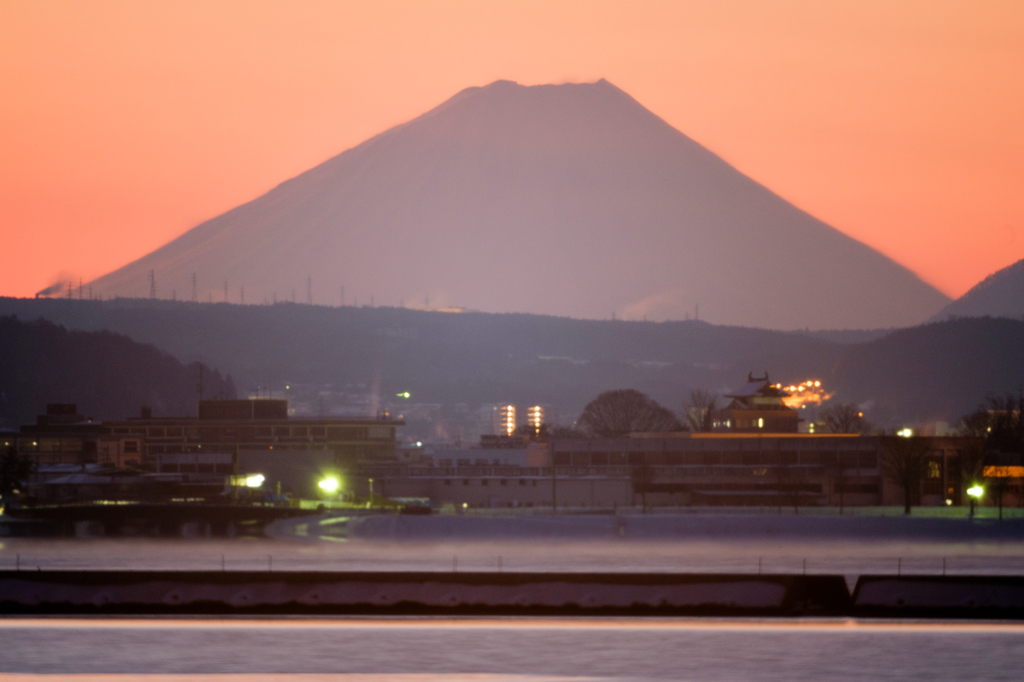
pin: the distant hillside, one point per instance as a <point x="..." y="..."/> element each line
<point x="447" y="357"/>
<point x="1001" y="294"/>
<point x="108" y="375"/>
<point x="936" y="371"/>
<point x="570" y="200"/>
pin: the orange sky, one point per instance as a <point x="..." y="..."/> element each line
<point x="123" y="124"/>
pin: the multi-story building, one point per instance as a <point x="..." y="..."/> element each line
<point x="734" y="469"/>
<point x="63" y="436"/>
<point x="247" y="425"/>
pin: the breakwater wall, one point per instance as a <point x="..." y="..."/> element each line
<point x="209" y="593"/>
<point x="527" y="594"/>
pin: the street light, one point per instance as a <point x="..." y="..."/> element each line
<point x="975" y="492"/>
<point x="254" y="481"/>
<point x="329" y="485"/>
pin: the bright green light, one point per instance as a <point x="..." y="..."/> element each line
<point x="976" y="491"/>
<point x="406" y="394"/>
<point x="254" y="481"/>
<point x="330" y="485"/>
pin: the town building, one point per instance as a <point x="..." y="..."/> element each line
<point x="681" y="469"/>
<point x="757" y="407"/>
<point x="233" y="426"/>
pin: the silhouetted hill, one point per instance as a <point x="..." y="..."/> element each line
<point x="447" y="357"/>
<point x="555" y="199"/>
<point x="936" y="371"/>
<point x="108" y="375"/>
<point x="1001" y="294"/>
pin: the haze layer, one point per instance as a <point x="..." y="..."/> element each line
<point x="557" y="199"/>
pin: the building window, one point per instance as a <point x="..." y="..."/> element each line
<point x="934" y="470"/>
<point x="131" y="446"/>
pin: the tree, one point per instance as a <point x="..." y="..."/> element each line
<point x="972" y="465"/>
<point x="14" y="471"/>
<point x="619" y="413"/>
<point x="905" y="461"/>
<point x="641" y="476"/>
<point x="843" y="418"/>
<point x="700" y="410"/>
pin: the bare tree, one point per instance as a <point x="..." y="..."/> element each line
<point x="972" y="465"/>
<point x="15" y="470"/>
<point x="837" y="470"/>
<point x="641" y="476"/>
<point x="700" y="410"/>
<point x="619" y="413"/>
<point x="843" y="418"/>
<point x="905" y="461"/>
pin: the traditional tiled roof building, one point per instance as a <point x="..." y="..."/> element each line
<point x="757" y="407"/>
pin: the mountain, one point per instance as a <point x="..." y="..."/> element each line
<point x="107" y="375"/>
<point x="1001" y="294"/>
<point x="326" y="355"/>
<point x="569" y="200"/>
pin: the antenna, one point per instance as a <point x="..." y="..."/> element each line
<point x="309" y="290"/>
<point x="194" y="297"/>
<point x="152" y="284"/>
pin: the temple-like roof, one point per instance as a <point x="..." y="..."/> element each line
<point x="758" y="387"/>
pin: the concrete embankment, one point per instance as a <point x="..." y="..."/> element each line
<point x="535" y="594"/>
<point x="707" y="526"/>
<point x="120" y="592"/>
<point x="939" y="597"/>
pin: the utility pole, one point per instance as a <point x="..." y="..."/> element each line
<point x="152" y="284"/>
<point x="194" y="293"/>
<point x="554" y="485"/>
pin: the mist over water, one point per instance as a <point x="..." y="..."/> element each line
<point x="515" y="649"/>
<point x="425" y="649"/>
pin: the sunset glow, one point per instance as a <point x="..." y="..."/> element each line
<point x="125" y="124"/>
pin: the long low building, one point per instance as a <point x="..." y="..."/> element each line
<point x="685" y="469"/>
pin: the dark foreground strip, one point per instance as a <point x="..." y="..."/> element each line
<point x="1000" y="597"/>
<point x="321" y="593"/>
